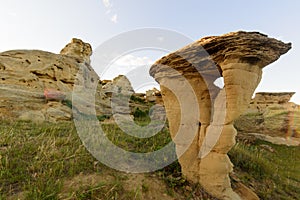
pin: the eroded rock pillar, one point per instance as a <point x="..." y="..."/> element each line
<point x="203" y="141"/>
<point x="215" y="165"/>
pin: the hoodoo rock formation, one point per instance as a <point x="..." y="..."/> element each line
<point x="79" y="49"/>
<point x="239" y="57"/>
<point x="29" y="78"/>
<point x="38" y="86"/>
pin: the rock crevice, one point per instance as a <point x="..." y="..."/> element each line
<point x="27" y="74"/>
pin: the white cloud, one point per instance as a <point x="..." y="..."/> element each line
<point x="133" y="61"/>
<point x="107" y="3"/>
<point x="136" y="69"/>
<point x="114" y="18"/>
<point x="126" y="64"/>
<point x="109" y="6"/>
<point x="13" y="14"/>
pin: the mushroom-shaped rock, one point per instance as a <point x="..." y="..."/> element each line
<point x="187" y="77"/>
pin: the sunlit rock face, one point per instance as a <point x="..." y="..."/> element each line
<point x="39" y="86"/>
<point x="29" y="79"/>
<point x="187" y="78"/>
<point x="267" y="98"/>
<point x="79" y="49"/>
<point x="271" y="114"/>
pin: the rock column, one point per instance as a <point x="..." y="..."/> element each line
<point x="203" y="141"/>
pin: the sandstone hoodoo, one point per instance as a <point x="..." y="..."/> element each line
<point x="186" y="78"/>
<point x="29" y="77"/>
<point x="79" y="49"/>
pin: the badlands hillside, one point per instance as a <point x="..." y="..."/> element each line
<point x="25" y="74"/>
<point x="42" y="157"/>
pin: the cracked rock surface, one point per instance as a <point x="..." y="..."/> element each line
<point x="200" y="114"/>
<point x="25" y="74"/>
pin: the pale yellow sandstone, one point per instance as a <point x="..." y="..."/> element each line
<point x="239" y="57"/>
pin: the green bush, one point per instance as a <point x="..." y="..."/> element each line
<point x="140" y="114"/>
<point x="137" y="99"/>
<point x="101" y="118"/>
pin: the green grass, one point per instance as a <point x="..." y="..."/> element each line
<point x="274" y="175"/>
<point x="134" y="144"/>
<point x="36" y="160"/>
<point x="49" y="161"/>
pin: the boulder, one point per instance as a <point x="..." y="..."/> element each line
<point x="153" y="95"/>
<point x="200" y="114"/>
<point x="116" y="95"/>
<point x="36" y="116"/>
<point x="119" y="85"/>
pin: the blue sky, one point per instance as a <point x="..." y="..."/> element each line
<point x="49" y="25"/>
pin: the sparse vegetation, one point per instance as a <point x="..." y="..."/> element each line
<point x="43" y="161"/>
<point x="274" y="172"/>
<point x="137" y="99"/>
<point x="47" y="161"/>
<point x="141" y="115"/>
<point x="101" y="118"/>
<point x="134" y="144"/>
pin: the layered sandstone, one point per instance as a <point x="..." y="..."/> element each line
<point x="38" y="86"/>
<point x="187" y="85"/>
<point x="271" y="114"/>
<point x="30" y="79"/>
<point x="116" y="97"/>
<point x="78" y="49"/>
<point x="268" y="98"/>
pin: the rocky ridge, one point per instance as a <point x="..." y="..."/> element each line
<point x="27" y="75"/>
<point x="271" y="114"/>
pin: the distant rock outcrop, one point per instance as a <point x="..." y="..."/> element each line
<point x="267" y="98"/>
<point x="187" y="80"/>
<point x="153" y="95"/>
<point x="116" y="95"/>
<point x="271" y="114"/>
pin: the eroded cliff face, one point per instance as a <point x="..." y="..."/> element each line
<point x="271" y="114"/>
<point x="187" y="80"/>
<point x="268" y="98"/>
<point x="38" y="85"/>
<point x="25" y="74"/>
